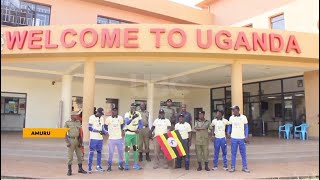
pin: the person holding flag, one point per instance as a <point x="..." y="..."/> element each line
<point x="238" y="129"/>
<point x="133" y="121"/>
<point x="184" y="129"/>
<point x="96" y="128"/>
<point x="160" y="126"/>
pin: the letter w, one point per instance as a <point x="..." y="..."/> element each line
<point x="113" y="40"/>
<point x="16" y="38"/>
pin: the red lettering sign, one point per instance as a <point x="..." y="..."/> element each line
<point x="130" y="35"/>
<point x="182" y="35"/>
<point x="208" y="42"/>
<point x="63" y="38"/>
<point x="293" y="45"/>
<point x="273" y="38"/>
<point x="47" y="43"/>
<point x="227" y="43"/>
<point x="16" y="38"/>
<point x="158" y="32"/>
<point x="259" y="42"/>
<point x="93" y="41"/>
<point x="242" y="41"/>
<point x="113" y="40"/>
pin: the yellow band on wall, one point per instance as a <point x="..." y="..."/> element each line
<point x="44" y="132"/>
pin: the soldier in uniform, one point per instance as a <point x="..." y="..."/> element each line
<point x="170" y="113"/>
<point x="202" y="141"/>
<point x="144" y="133"/>
<point x="74" y="141"/>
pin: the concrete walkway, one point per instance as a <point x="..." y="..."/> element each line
<point x="267" y="158"/>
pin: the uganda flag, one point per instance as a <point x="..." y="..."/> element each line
<point x="171" y="144"/>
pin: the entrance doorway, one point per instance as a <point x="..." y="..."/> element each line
<point x="13" y="111"/>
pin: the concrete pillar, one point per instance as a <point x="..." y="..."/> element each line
<point x="66" y="98"/>
<point x="311" y="89"/>
<point x="150" y="102"/>
<point x="236" y="85"/>
<point x="88" y="96"/>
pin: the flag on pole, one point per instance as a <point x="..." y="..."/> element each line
<point x="171" y="144"/>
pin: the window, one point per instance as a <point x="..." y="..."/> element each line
<point x="248" y="26"/>
<point x="106" y="20"/>
<point x="41" y="13"/>
<point x="277" y="22"/>
<point x="21" y="13"/>
<point x="12" y="105"/>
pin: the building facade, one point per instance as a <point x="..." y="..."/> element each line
<point x="59" y="56"/>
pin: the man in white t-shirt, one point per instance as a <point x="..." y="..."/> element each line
<point x="218" y="132"/>
<point x="114" y="125"/>
<point x="96" y="128"/>
<point x="184" y="129"/>
<point x="239" y="136"/>
<point x="160" y="126"/>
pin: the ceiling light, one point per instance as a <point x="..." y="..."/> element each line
<point x="288" y="97"/>
<point x="272" y="97"/>
<point x="299" y="95"/>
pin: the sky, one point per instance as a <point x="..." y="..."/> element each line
<point x="187" y="2"/>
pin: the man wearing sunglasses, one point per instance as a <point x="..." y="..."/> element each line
<point x="97" y="130"/>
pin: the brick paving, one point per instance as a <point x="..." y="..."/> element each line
<point x="267" y="158"/>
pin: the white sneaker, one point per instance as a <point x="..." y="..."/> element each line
<point x="215" y="168"/>
<point x="225" y="168"/>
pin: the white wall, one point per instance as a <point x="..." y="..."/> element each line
<point x="43" y="97"/>
<point x="300" y="15"/>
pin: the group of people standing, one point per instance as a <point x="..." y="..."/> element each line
<point x="132" y="131"/>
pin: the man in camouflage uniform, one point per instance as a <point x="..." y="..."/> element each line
<point x="144" y="133"/>
<point x="74" y="141"/>
<point x="170" y="113"/>
<point x="202" y="141"/>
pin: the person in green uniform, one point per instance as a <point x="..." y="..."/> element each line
<point x="170" y="113"/>
<point x="144" y="133"/>
<point x="133" y="123"/>
<point x="74" y="141"/>
<point x="202" y="141"/>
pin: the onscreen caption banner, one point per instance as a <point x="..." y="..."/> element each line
<point x="44" y="132"/>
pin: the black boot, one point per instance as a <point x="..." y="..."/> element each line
<point x="206" y="166"/>
<point x="148" y="157"/>
<point x="140" y="156"/>
<point x="69" y="170"/>
<point x="81" y="170"/>
<point x="199" y="166"/>
<point x="187" y="165"/>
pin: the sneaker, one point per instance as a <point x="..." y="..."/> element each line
<point x="246" y="170"/>
<point x="120" y="167"/>
<point x="155" y="167"/>
<point x="89" y="171"/>
<point x="126" y="167"/>
<point x="215" y="168"/>
<point x="232" y="170"/>
<point x="225" y="168"/>
<point x="109" y="168"/>
<point x="136" y="166"/>
<point x="99" y="169"/>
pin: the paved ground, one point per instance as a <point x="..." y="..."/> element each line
<point x="267" y="158"/>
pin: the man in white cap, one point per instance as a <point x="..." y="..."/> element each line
<point x="238" y="129"/>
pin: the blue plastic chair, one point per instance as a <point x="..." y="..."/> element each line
<point x="286" y="129"/>
<point x="302" y="132"/>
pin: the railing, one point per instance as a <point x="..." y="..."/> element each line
<point x="14" y="16"/>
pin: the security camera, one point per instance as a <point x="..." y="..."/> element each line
<point x="53" y="82"/>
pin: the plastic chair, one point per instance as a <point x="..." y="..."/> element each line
<point x="302" y="132"/>
<point x="286" y="129"/>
